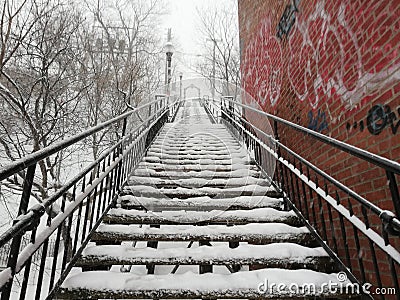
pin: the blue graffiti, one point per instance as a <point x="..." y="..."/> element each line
<point x="379" y="117"/>
<point x="288" y="19"/>
<point x="317" y="123"/>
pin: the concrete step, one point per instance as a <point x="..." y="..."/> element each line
<point x="194" y="167"/>
<point x="252" y="284"/>
<point x="196" y="183"/>
<point x="185" y="193"/>
<point x="197" y="174"/>
<point x="280" y="255"/>
<point x="252" y="233"/>
<point x="199" y="203"/>
<point x="215" y="217"/>
<point x="203" y="161"/>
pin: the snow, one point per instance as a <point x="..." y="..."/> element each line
<point x="112" y="281"/>
<point x="197" y="174"/>
<point x="195" y="167"/>
<point x="200" y="161"/>
<point x="217" y="231"/>
<point x="203" y="202"/>
<point x="254" y="215"/>
<point x="257" y="190"/>
<point x="221" y="252"/>
<point x="191" y="182"/>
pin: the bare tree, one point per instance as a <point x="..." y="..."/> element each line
<point x="219" y="28"/>
<point x="38" y="84"/>
<point x="122" y="61"/>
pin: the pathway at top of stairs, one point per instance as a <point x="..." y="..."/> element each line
<point x="198" y="219"/>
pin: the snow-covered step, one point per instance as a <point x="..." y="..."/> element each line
<point x="198" y="137"/>
<point x="202" y="161"/>
<point x="181" y="152"/>
<point x="282" y="255"/>
<point x="197" y="182"/>
<point x="194" y="167"/>
<point x="265" y="233"/>
<point x="251" y="284"/>
<point x="184" y="193"/>
<point x="232" y="158"/>
<point x="197" y="174"/>
<point x="196" y="155"/>
<point x="197" y="143"/>
<point x="193" y="147"/>
<point x="235" y="217"/>
<point x="199" y="203"/>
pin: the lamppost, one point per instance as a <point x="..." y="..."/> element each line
<point x="180" y="85"/>
<point x="169" y="50"/>
<point x="214" y="41"/>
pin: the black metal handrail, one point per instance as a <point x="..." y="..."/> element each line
<point x="91" y="193"/>
<point x="28" y="160"/>
<point x="391" y="167"/>
<point x="303" y="193"/>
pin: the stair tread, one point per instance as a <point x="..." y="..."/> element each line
<point x="162" y="146"/>
<point x="259" y="215"/>
<point x="150" y="191"/>
<point x="200" y="203"/>
<point x="107" y="284"/>
<point x="197" y="174"/>
<point x="202" y="161"/>
<point x="262" y="233"/>
<point x="195" y="167"/>
<point x="198" y="182"/>
<point x="203" y="155"/>
<point x="282" y="254"/>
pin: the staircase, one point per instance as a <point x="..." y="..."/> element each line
<point x="198" y="219"/>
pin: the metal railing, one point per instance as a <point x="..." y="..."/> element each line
<point x="360" y="236"/>
<point x="83" y="200"/>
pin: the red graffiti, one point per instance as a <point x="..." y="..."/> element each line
<point x="262" y="67"/>
<point x="336" y="50"/>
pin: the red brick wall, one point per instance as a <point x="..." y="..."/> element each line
<point x="335" y="70"/>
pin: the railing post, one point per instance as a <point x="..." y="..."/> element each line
<point x="16" y="241"/>
<point x="394" y="191"/>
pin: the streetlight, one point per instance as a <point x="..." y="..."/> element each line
<point x="214" y="41"/>
<point x="169" y="50"/>
<point x="180" y="85"/>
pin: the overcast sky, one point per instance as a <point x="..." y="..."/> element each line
<point x="182" y="18"/>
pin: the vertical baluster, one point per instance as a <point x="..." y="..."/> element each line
<point x="333" y="236"/>
<point x="344" y="236"/>
<point x="67" y="243"/>
<point x="394" y="191"/>
<point x="55" y="257"/>
<point x="298" y="190"/>
<point x="93" y="207"/>
<point x="312" y="205"/>
<point x="16" y="241"/>
<point x="27" y="270"/>
<point x="303" y="187"/>
<point x="393" y="272"/>
<point x="357" y="241"/>
<point x="77" y="227"/>
<point x="41" y="269"/>
<point x="372" y="250"/>
<point x="321" y="212"/>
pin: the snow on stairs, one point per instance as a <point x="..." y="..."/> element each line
<point x="197" y="184"/>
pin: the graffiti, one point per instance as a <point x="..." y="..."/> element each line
<point x="336" y="52"/>
<point x="317" y="123"/>
<point x="262" y="67"/>
<point x="378" y="118"/>
<point x="330" y="57"/>
<point x="288" y="19"/>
